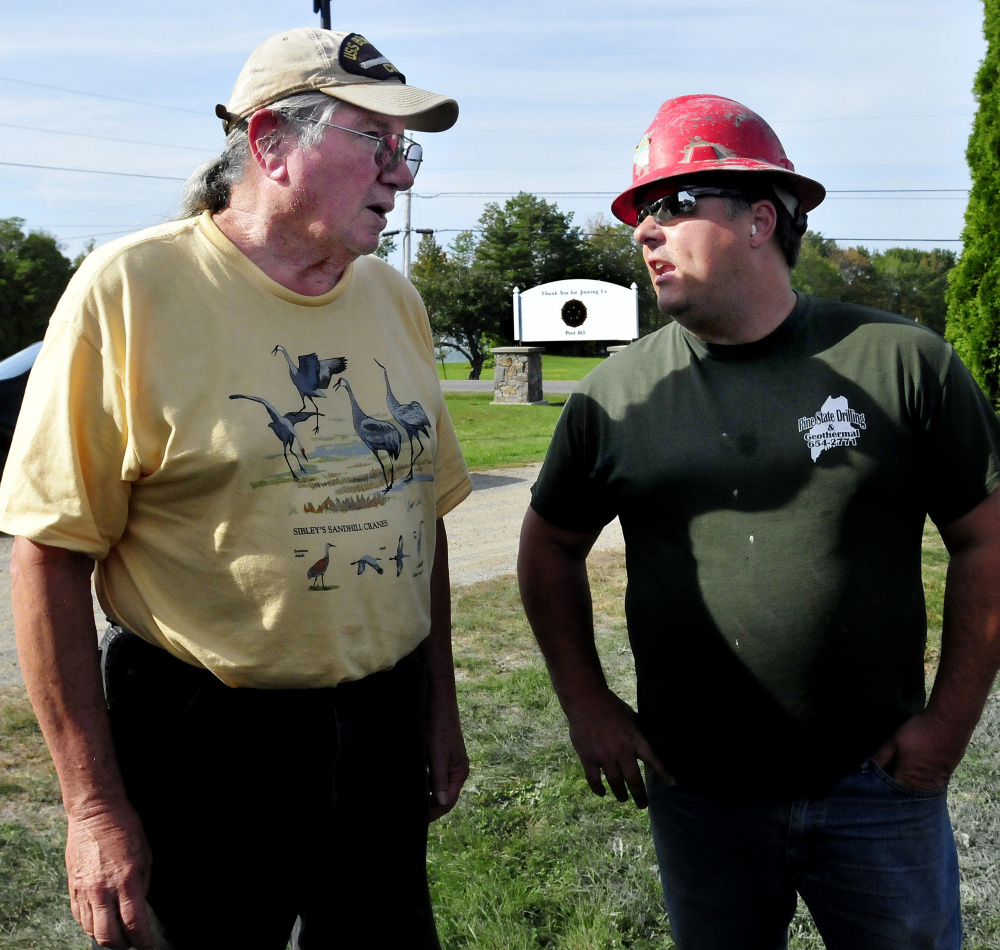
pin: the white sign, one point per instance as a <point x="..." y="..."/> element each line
<point x="576" y="310"/>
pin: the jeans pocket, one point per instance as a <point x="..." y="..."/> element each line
<point x="908" y="790"/>
<point x="144" y="681"/>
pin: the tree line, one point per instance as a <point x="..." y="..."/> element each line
<point x="527" y="241"/>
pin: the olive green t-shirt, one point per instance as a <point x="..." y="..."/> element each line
<point x="772" y="497"/>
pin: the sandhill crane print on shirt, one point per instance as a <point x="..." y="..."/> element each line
<point x="318" y="571"/>
<point x="311" y="375"/>
<point x="283" y="427"/>
<point x="379" y="436"/>
<point x="410" y="416"/>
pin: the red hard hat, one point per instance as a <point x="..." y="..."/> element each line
<point x="692" y="135"/>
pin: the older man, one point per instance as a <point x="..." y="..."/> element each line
<point x="220" y="418"/>
<point x="772" y="458"/>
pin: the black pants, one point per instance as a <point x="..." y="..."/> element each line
<point x="266" y="805"/>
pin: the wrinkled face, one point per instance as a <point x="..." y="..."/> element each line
<point x="696" y="261"/>
<point x="339" y="196"/>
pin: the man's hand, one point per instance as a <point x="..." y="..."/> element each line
<point x="606" y="736"/>
<point x="921" y="753"/>
<point x="108" y="863"/>
<point x="447" y="759"/>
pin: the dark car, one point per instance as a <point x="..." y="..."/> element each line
<point x="13" y="378"/>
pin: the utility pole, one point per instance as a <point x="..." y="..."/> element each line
<point x="322" y="7"/>
<point x="406" y="231"/>
<point x="406" y="235"/>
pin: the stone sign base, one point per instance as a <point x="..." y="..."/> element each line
<point x="517" y="375"/>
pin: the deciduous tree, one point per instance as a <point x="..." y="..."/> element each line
<point x="902" y="280"/>
<point x="467" y="303"/>
<point x="33" y="275"/>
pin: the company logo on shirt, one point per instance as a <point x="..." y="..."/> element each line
<point x="834" y="425"/>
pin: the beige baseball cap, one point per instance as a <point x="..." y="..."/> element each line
<point x="343" y="65"/>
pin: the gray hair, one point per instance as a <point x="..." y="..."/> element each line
<point x="210" y="187"/>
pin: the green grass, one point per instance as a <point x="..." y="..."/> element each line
<point x="497" y="436"/>
<point x="529" y="858"/>
<point x="553" y="368"/>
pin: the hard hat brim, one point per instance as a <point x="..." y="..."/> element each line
<point x="810" y="192"/>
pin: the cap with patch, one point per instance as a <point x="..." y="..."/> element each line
<point x="343" y="65"/>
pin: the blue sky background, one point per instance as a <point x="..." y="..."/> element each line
<point x="554" y="95"/>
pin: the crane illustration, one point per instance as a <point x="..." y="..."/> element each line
<point x="318" y="570"/>
<point x="410" y="416"/>
<point x="379" y="436"/>
<point x="283" y="427"/>
<point x="399" y="557"/>
<point x="368" y="561"/>
<point x="311" y="375"/>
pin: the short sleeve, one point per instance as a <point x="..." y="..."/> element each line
<point x="961" y="452"/>
<point x="63" y="483"/>
<point x="571" y="490"/>
<point x="451" y="477"/>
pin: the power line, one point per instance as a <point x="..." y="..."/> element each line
<point x="103" y="138"/>
<point x="504" y="129"/>
<point x="98" y="95"/>
<point x="92" y="171"/>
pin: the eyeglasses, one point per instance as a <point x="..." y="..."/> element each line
<point x="680" y="202"/>
<point x="390" y="150"/>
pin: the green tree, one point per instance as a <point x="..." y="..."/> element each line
<point x="914" y="283"/>
<point x="466" y="302"/>
<point x="529" y="242"/>
<point x="816" y="271"/>
<point x="33" y="275"/>
<point x="902" y="280"/>
<point x="611" y="254"/>
<point x="974" y="285"/>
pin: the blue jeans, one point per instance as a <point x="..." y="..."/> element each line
<point x="874" y="861"/>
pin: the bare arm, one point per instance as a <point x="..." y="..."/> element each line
<point x="449" y="763"/>
<point x="927" y="748"/>
<point x="107" y="857"/>
<point x="555" y="591"/>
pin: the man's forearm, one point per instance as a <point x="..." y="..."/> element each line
<point x="440" y="660"/>
<point x="970" y="642"/>
<point x="448" y="761"/>
<point x="107" y="854"/>
<point x="555" y="592"/>
<point x="57" y="647"/>
<point x="927" y="748"/>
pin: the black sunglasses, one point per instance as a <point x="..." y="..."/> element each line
<point x="680" y="202"/>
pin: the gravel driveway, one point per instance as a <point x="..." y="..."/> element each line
<point x="482" y="542"/>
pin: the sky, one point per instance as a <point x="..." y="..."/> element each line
<point x="874" y="99"/>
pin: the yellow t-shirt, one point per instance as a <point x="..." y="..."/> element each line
<point x="166" y="433"/>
